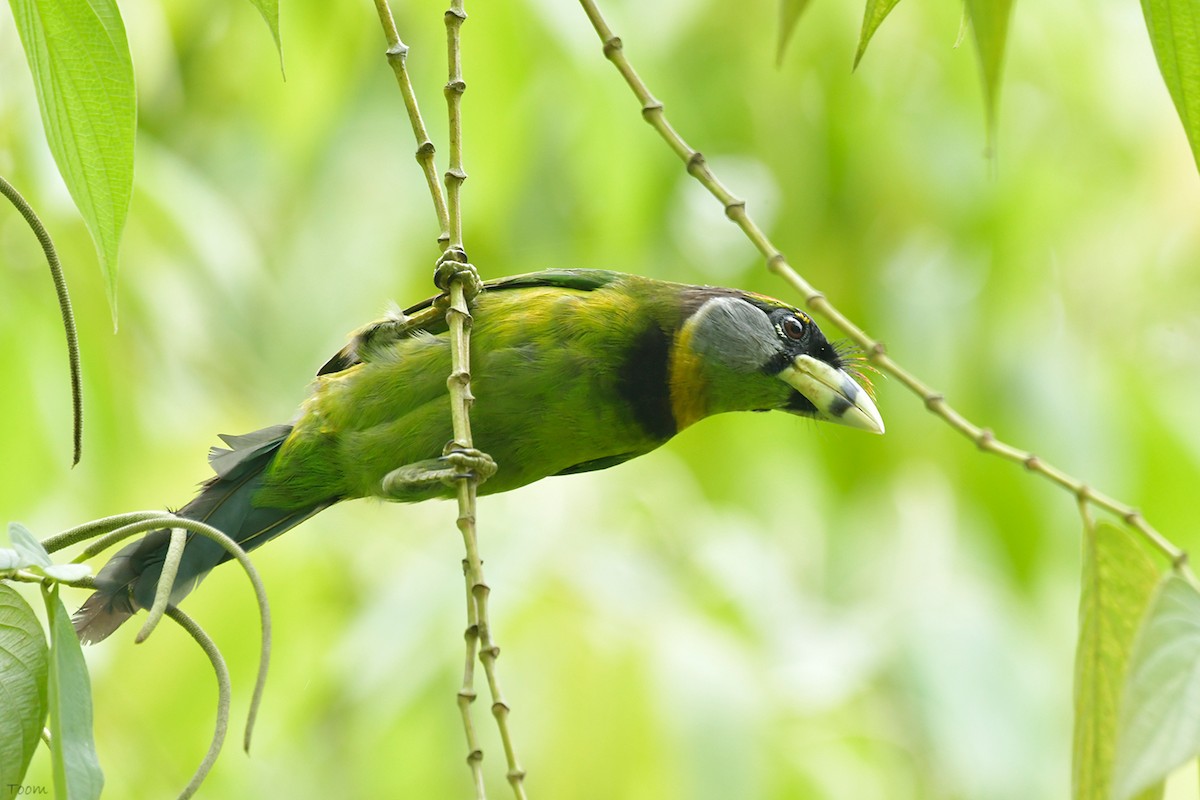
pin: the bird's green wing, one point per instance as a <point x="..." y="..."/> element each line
<point x="381" y="333"/>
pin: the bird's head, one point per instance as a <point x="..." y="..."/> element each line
<point x="744" y="352"/>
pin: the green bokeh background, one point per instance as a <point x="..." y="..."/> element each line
<point x="765" y="608"/>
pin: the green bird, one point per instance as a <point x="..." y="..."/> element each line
<point x="574" y="370"/>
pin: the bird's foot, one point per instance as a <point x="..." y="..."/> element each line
<point x="469" y="462"/>
<point x="452" y="266"/>
<point x="414" y="481"/>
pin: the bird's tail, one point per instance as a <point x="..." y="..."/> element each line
<point x="129" y="580"/>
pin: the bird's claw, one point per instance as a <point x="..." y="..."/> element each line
<point x="469" y="463"/>
<point x="414" y="481"/>
<point x="452" y="266"/>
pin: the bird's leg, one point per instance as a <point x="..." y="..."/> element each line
<point x="414" y="481"/>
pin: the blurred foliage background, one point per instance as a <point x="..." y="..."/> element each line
<point x="765" y="608"/>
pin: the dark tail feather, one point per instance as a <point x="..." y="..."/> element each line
<point x="128" y="581"/>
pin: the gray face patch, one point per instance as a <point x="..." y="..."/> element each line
<point x="731" y="332"/>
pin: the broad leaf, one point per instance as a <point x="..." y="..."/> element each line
<point x="270" y="12"/>
<point x="65" y="572"/>
<point x="23" y="670"/>
<point x="27" y="545"/>
<point x="989" y="22"/>
<point x="11" y="559"/>
<point x="874" y="15"/>
<point x="789" y="15"/>
<point x="77" y="774"/>
<point x="83" y="77"/>
<point x="1119" y="579"/>
<point x="30" y="553"/>
<point x="1174" y="27"/>
<point x="1159" y="726"/>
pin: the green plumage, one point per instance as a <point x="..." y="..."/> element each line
<point x="546" y="367"/>
<point x="572" y="370"/>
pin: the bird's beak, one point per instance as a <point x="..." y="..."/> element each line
<point x="837" y="397"/>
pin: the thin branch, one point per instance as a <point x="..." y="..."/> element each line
<point x="735" y="209"/>
<point x="466" y="694"/>
<point x="460" y="282"/>
<point x="112" y="530"/>
<point x="166" y="583"/>
<point x="223" y="698"/>
<point x="458" y="317"/>
<point x="397" y="56"/>
<point x="459" y="384"/>
<point x="455" y="87"/>
<point x="64" y="307"/>
<point x="89" y="530"/>
<point x="224" y="693"/>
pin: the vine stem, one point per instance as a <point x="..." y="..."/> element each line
<point x="455" y="87"/>
<point x="777" y="263"/>
<point x="448" y="207"/>
<point x="458" y="317"/>
<point x="109" y="531"/>
<point x="397" y="56"/>
<point x="64" y="307"/>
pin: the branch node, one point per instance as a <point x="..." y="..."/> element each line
<point x="1033" y="463"/>
<point x="455" y="16"/>
<point x="475" y="756"/>
<point x="735" y="208"/>
<point x="650" y="108"/>
<point x="985" y="438"/>
<point x="456" y="86"/>
<point x="932" y="399"/>
<point x="878" y="350"/>
<point x="397" y="52"/>
<point x="695" y="162"/>
<point x="612" y="46"/>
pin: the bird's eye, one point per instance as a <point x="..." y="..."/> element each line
<point x="793" y="328"/>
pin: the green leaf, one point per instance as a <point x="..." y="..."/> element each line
<point x="65" y="572"/>
<point x="83" y="77"/>
<point x="77" y="774"/>
<point x="27" y="545"/>
<point x="789" y="15"/>
<point x="1119" y="579"/>
<point x="23" y="669"/>
<point x="989" y="21"/>
<point x="28" y="552"/>
<point x="874" y="15"/>
<point x="11" y="559"/>
<point x="1160" y="712"/>
<point x="270" y="12"/>
<point x="1174" y="27"/>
